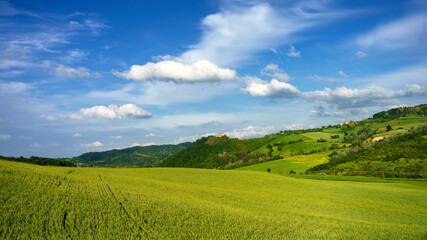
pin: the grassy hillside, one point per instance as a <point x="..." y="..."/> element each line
<point x="40" y="202"/>
<point x="404" y="155"/>
<point x="313" y="147"/>
<point x="129" y="157"/>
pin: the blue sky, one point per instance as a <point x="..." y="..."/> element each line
<point x="80" y="76"/>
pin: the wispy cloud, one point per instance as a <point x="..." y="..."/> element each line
<point x="273" y="70"/>
<point x="404" y="32"/>
<point x="5" y="137"/>
<point x="324" y="79"/>
<point x="238" y="32"/>
<point x="293" y="52"/>
<point x="7" y="9"/>
<point x="79" y="72"/>
<point x="361" y="54"/>
<point x="343" y="97"/>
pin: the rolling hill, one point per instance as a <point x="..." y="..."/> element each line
<point x="298" y="150"/>
<point x="129" y="157"/>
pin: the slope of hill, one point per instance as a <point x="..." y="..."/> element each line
<point x="402" y="155"/>
<point x="402" y="112"/>
<point x="296" y="150"/>
<point x="42" y="202"/>
<point x="129" y="157"/>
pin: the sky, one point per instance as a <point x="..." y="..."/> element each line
<point x="83" y="76"/>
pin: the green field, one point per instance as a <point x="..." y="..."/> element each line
<point x="297" y="164"/>
<point x="43" y="202"/>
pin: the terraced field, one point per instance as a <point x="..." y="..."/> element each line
<point x="41" y="202"/>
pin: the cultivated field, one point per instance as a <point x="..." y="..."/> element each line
<point x="173" y="203"/>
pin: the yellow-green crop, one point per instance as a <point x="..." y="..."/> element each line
<point x="40" y="202"/>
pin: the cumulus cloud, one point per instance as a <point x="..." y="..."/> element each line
<point x="361" y="54"/>
<point x="342" y="97"/>
<point x="293" y="52"/>
<point x="79" y="72"/>
<point x="397" y="34"/>
<point x="273" y="89"/>
<point x="5" y="137"/>
<point x="95" y="144"/>
<point x="323" y="79"/>
<point x="250" y="131"/>
<point x="115" y="112"/>
<point x="76" y="135"/>
<point x="199" y="71"/>
<point x="274" y="71"/>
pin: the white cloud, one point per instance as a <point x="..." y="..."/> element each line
<point x="274" y="71"/>
<point x="192" y="138"/>
<point x="342" y="97"/>
<point x="199" y="71"/>
<point x="49" y="118"/>
<point x="79" y="72"/>
<point x="14" y="87"/>
<point x="115" y="137"/>
<point x="153" y="135"/>
<point x="238" y="32"/>
<point x="7" y="9"/>
<point x="115" y="112"/>
<point x="275" y="51"/>
<point x="404" y="32"/>
<point x="95" y="144"/>
<point x="5" y="137"/>
<point x="135" y="145"/>
<point x="75" y="55"/>
<point x="35" y="145"/>
<point x="6" y="64"/>
<point x="323" y="79"/>
<point x="77" y="135"/>
<point x="273" y="89"/>
<point x="250" y="131"/>
<point x="343" y="74"/>
<point x="293" y="53"/>
<point x="361" y="54"/>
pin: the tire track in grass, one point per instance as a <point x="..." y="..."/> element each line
<point x="125" y="210"/>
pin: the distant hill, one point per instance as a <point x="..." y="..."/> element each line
<point x="40" y="161"/>
<point x="402" y="155"/>
<point x="129" y="157"/>
<point x="402" y="112"/>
